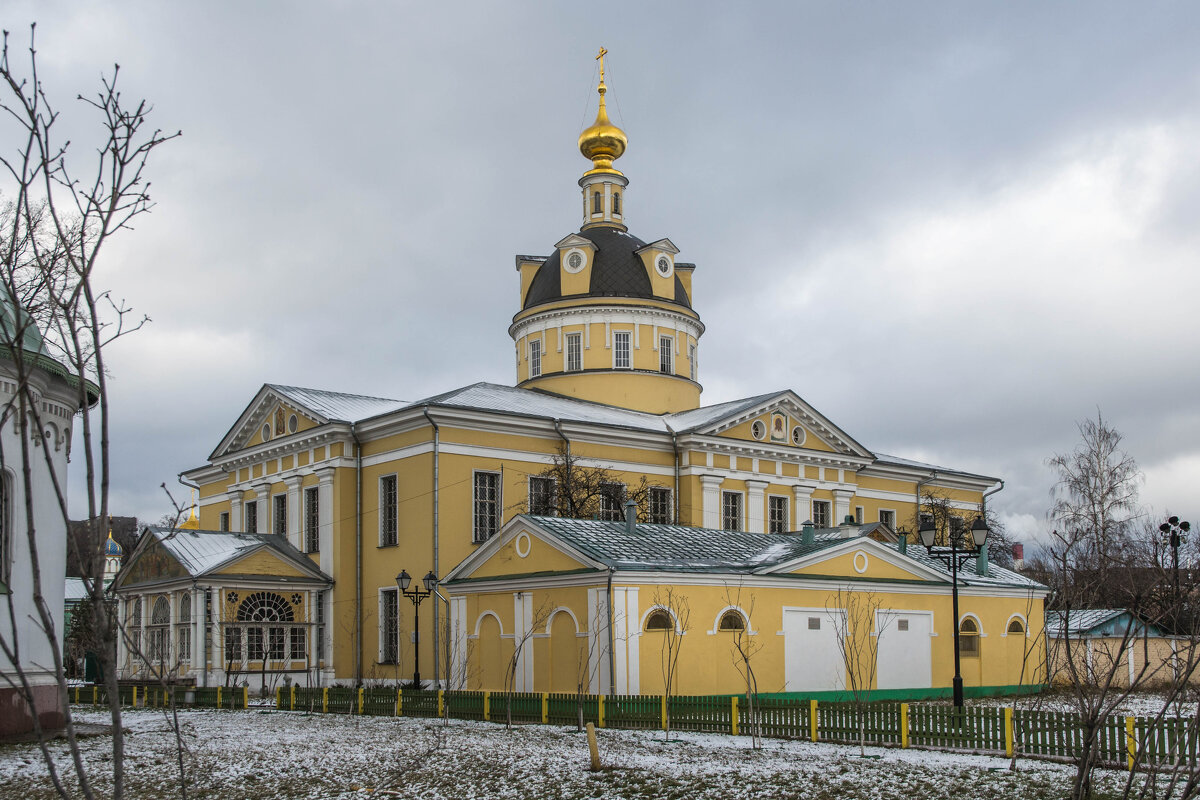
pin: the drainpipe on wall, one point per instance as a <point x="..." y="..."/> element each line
<point x="986" y="495"/>
<point x="612" y="658"/>
<point x="437" y="437"/>
<point x="675" y="447"/>
<point x="358" y="642"/>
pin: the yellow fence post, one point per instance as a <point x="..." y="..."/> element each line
<point x="293" y="697"/>
<point x="601" y="711"/>
<point x="904" y="725"/>
<point x="1008" y="732"/>
<point x="487" y="706"/>
<point x="664" y="712"/>
<point x="325" y="700"/>
<point x="218" y="697"/>
<point x="245" y="697"/>
<point x="545" y="707"/>
<point x="733" y="716"/>
<point x="812" y="719"/>
<point x="1130" y="740"/>
<point x="399" y="702"/>
<point x="361" y="694"/>
<point x="135" y="697"/>
<point x="95" y="695"/>
<point x="441" y="702"/>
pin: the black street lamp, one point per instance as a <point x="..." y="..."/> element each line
<point x="1176" y="533"/>
<point x="416" y="596"/>
<point x="953" y="557"/>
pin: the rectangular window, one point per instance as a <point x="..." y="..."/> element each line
<point x="666" y="355"/>
<point x="731" y="511"/>
<point x="320" y="627"/>
<point x="901" y="624"/>
<point x="6" y="534"/>
<point x="957" y="527"/>
<point x="888" y="518"/>
<point x="389" y="626"/>
<point x="661" y="511"/>
<point x="486" y="505"/>
<point x="184" y="642"/>
<point x="692" y="360"/>
<point x="252" y="517"/>
<point x="574" y="352"/>
<point x="612" y="502"/>
<point x="620" y="349"/>
<point x="858" y="514"/>
<point x="388" y="511"/>
<point x="280" y="528"/>
<point x="820" y="515"/>
<point x="535" y="358"/>
<point x="233" y="645"/>
<point x="255" y="646"/>
<point x="224" y="521"/>
<point x="312" y="520"/>
<point x="541" y="496"/>
<point x="275" y="640"/>
<point x="777" y="514"/>
<point x="297" y="648"/>
<point x="814" y="623"/>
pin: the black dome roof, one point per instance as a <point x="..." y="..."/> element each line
<point x="617" y="271"/>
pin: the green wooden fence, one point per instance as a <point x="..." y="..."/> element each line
<point x="1131" y="742"/>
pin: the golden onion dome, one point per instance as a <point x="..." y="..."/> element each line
<point x="602" y="142"/>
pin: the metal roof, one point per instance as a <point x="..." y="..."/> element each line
<point x="200" y="552"/>
<point x="526" y="402"/>
<point x="1083" y="621"/>
<point x="338" y="405"/>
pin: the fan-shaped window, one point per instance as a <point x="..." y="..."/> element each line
<point x="616" y="203"/>
<point x="968" y="638"/>
<point x="597" y="203"/>
<point x="161" y="615"/>
<point x="731" y="621"/>
<point x="1015" y="626"/>
<point x="659" y="620"/>
<point x="264" y="607"/>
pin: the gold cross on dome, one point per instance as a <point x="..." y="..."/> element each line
<point x="600" y="58"/>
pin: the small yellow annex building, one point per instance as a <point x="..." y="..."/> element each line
<point x="607" y="354"/>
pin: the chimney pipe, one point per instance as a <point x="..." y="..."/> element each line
<point x="630" y="517"/>
<point x="807" y="535"/>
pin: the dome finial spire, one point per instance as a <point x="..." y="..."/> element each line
<point x="603" y="142"/>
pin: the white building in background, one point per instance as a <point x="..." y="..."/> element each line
<point x="54" y="395"/>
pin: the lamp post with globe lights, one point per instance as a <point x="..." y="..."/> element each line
<point x="416" y="596"/>
<point x="1176" y="532"/>
<point x="953" y="557"/>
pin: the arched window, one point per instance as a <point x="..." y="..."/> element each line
<point x="731" y="621"/>
<point x="659" y="620"/>
<point x="616" y="203"/>
<point x="1015" y="626"/>
<point x="160" y="621"/>
<point x="161" y="615"/>
<point x="183" y="635"/>
<point x="597" y="203"/>
<point x="968" y="638"/>
<point x="135" y="613"/>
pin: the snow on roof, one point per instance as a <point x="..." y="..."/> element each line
<point x="76" y="590"/>
<point x="526" y="402"/>
<point x="1085" y="620"/>
<point x="883" y="458"/>
<point x="706" y="415"/>
<point x="338" y="405"/>
<point x="199" y="552"/>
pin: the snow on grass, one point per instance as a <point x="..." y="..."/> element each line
<point x="1137" y="704"/>
<point x="258" y="755"/>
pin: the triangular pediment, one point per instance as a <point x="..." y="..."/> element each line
<point x="574" y="240"/>
<point x="268" y="411"/>
<point x="521" y="547"/>
<point x="860" y="558"/>
<point x="662" y="245"/>
<point x="150" y="562"/>
<point x="784" y="419"/>
<point x="262" y="561"/>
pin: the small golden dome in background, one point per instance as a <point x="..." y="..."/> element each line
<point x="603" y="142"/>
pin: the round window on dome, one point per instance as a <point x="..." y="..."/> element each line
<point x="757" y="429"/>
<point x="266" y="431"/>
<point x="574" y="261"/>
<point x="663" y="265"/>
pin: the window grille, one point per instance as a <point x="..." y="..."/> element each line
<point x="621" y="349"/>
<point x="280" y="528"/>
<point x="312" y="520"/>
<point x="390" y="623"/>
<point x="820" y="515"/>
<point x="660" y="506"/>
<point x="252" y="517"/>
<point x="388" y="511"/>
<point x="731" y="511"/>
<point x="777" y="514"/>
<point x="666" y="352"/>
<point x="612" y="502"/>
<point x="574" y="352"/>
<point x="541" y="496"/>
<point x="486" y="505"/>
<point x="535" y="358"/>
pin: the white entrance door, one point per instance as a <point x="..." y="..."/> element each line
<point x="905" y="649"/>
<point x="812" y="660"/>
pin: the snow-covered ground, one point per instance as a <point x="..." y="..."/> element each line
<point x="1143" y="704"/>
<point x="261" y="754"/>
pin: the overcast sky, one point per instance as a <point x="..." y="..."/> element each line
<point x="955" y="229"/>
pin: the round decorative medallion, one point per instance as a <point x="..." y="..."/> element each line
<point x="574" y="261"/>
<point x="297" y="599"/>
<point x="266" y="431"/>
<point x="798" y="436"/>
<point x="293" y="423"/>
<point x="663" y="265"/>
<point x="758" y="430"/>
<point x="523" y="544"/>
<point x="232" y="597"/>
<point x="860" y="562"/>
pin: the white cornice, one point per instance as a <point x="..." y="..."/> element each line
<point x="648" y="315"/>
<point x="752" y="449"/>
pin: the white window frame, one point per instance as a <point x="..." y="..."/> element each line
<point x="553" y="494"/>
<point x="670" y="517"/>
<point x="787" y="512"/>
<point x="279" y="521"/>
<point x="828" y="507"/>
<point x="574" y="342"/>
<point x="249" y="510"/>
<point x="312" y="532"/>
<point x="666" y="355"/>
<point x="475" y="515"/>
<point x="692" y="361"/>
<point x="607" y="514"/>
<point x="891" y="523"/>
<point x="394" y="511"/>
<point x="386" y="594"/>
<point x="741" y="510"/>
<point x="860" y="514"/>
<point x="535" y="358"/>
<point x="627" y="338"/>
<point x="223" y="521"/>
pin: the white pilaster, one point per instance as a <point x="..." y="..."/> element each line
<point x="235" y="512"/>
<point x="294" y="533"/>
<point x="710" y="500"/>
<point x="262" y="492"/>
<point x="841" y="505"/>
<point x="755" y="511"/>
<point x="803" y="495"/>
<point x="325" y="517"/>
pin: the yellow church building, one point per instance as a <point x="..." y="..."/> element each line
<point x="606" y="345"/>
